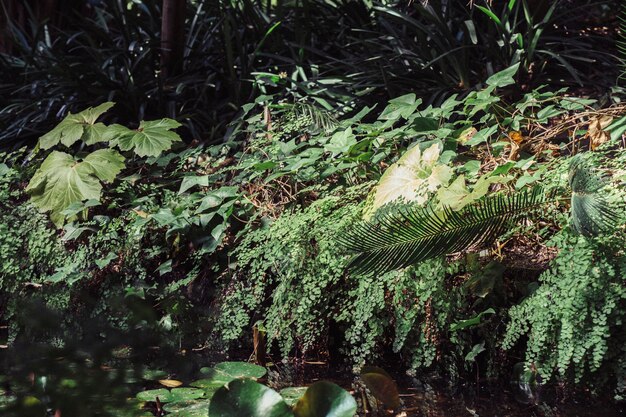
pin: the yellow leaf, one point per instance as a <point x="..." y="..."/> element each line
<point x="170" y="383"/>
<point x="597" y="134"/>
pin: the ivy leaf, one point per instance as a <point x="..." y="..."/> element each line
<point x="78" y="126"/>
<point x="402" y="106"/>
<point x="341" y="142"/>
<point x="150" y="139"/>
<point x="504" y="77"/>
<point x="62" y="180"/>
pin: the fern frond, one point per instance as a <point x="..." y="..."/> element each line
<point x="591" y="213"/>
<point x="412" y="234"/>
<point x="321" y="119"/>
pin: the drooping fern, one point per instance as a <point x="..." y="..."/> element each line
<point x="413" y="234"/>
<point x="591" y="214"/>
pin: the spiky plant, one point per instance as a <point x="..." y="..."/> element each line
<point x="411" y="234"/>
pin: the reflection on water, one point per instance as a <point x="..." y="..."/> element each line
<point x="99" y="374"/>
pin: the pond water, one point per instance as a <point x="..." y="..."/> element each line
<point x="44" y="381"/>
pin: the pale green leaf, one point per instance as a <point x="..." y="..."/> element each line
<point x="106" y="163"/>
<point x="62" y="180"/>
<point x="504" y="77"/>
<point x="76" y="126"/>
<point x="150" y="139"/>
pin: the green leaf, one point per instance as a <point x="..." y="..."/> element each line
<point x="244" y="397"/>
<point x="411" y="178"/>
<point x="504" y="77"/>
<point x="167" y="396"/>
<point x="189" y="408"/>
<point x="150" y="139"/>
<point x="474" y="321"/>
<point x="341" y="142"/>
<point x="241" y="370"/>
<point x="291" y="395"/>
<point x="76" y="126"/>
<point x="454" y="196"/>
<point x="476" y="350"/>
<point x="325" y="399"/>
<point x="403" y="106"/>
<point x="106" y="163"/>
<point x="61" y="181"/>
<point x="193" y="180"/>
<point x="381" y="385"/>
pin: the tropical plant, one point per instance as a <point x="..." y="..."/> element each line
<point x="408" y="235"/>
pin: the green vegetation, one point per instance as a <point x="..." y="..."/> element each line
<point x="429" y="184"/>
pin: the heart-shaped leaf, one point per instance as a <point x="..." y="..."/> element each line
<point x="325" y="399"/>
<point x="244" y="397"/>
<point x="189" y="408"/>
<point x="291" y="395"/>
<point x="381" y="385"/>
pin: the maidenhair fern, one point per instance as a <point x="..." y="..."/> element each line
<point x="574" y="322"/>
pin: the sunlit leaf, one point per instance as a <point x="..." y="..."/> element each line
<point x="150" y="139"/>
<point x="78" y="126"/>
<point x="325" y="399"/>
<point x="244" y="397"/>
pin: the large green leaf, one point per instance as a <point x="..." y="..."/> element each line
<point x="411" y="178"/>
<point x="62" y="180"/>
<point x="325" y="399"/>
<point x="381" y="385"/>
<point x="150" y="139"/>
<point x="244" y="397"/>
<point x="78" y="126"/>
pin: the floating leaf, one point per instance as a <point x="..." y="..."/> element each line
<point x="325" y="399"/>
<point x="381" y="386"/>
<point x="163" y="394"/>
<point x="167" y="396"/>
<point x="241" y="370"/>
<point x="150" y="139"/>
<point x="244" y="397"/>
<point x="190" y="408"/>
<point x="170" y="383"/>
<point x="291" y="395"/>
<point x="78" y="126"/>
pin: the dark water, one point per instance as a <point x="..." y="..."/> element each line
<point x="100" y="374"/>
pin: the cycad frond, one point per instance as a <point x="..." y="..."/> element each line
<point x="591" y="212"/>
<point x="413" y="234"/>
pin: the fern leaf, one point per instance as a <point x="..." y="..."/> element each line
<point x="414" y="234"/>
<point x="591" y="213"/>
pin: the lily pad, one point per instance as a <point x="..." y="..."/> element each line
<point x="381" y="385"/>
<point x="291" y="395"/>
<point x="190" y="408"/>
<point x="241" y="370"/>
<point x="244" y="397"/>
<point x="167" y="396"/>
<point x="325" y="399"/>
<point x="153" y="374"/>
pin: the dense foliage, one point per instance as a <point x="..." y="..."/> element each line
<point x="377" y="182"/>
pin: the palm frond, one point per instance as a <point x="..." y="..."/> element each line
<point x="403" y="237"/>
<point x="591" y="213"/>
